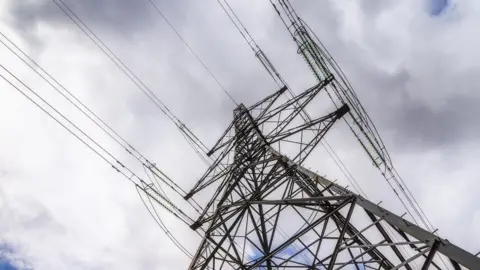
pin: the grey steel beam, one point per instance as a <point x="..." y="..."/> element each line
<point x="411" y="259"/>
<point x="430" y="256"/>
<point x="446" y="248"/>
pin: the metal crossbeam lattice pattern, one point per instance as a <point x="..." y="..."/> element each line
<point x="269" y="212"/>
<point x="322" y="65"/>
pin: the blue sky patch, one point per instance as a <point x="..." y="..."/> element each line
<point x="5" y="263"/>
<point x="437" y="7"/>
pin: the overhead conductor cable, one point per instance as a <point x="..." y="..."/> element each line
<point x="51" y="111"/>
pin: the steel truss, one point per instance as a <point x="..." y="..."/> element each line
<point x="322" y="65"/>
<point x="268" y="211"/>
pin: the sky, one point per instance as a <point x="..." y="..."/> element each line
<point x="413" y="64"/>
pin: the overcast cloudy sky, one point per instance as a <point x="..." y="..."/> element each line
<point x="414" y="64"/>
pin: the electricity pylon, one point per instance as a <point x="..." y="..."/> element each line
<point x="266" y="210"/>
<point x="269" y="212"/>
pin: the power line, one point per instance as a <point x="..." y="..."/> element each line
<point x="192" y="51"/>
<point x="198" y="146"/>
<point x="322" y="64"/>
<point x="69" y="96"/>
<point x="272" y="71"/>
<point x="168" y="206"/>
<point x="115" y="165"/>
<point x="164" y="228"/>
<point x="94" y="118"/>
<point x="57" y="112"/>
<point x="113" y="57"/>
<point x="402" y="184"/>
<point x="78" y="104"/>
<point x="191" y="138"/>
<point x="280" y="81"/>
<point x="108" y="130"/>
<point x="60" y="122"/>
<point x="162" y="225"/>
<point x="359" y="122"/>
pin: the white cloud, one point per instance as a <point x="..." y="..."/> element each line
<point x="65" y="209"/>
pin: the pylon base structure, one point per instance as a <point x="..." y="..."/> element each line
<point x="269" y="212"/>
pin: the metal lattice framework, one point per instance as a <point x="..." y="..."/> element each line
<point x="269" y="212"/>
<point x="265" y="210"/>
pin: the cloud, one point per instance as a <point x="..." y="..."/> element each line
<point x="437" y="127"/>
<point x="440" y="116"/>
<point x="415" y="74"/>
<point x="6" y="263"/>
<point x="126" y="16"/>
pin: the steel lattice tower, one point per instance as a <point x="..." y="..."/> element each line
<point x="265" y="210"/>
<point x="269" y="212"/>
